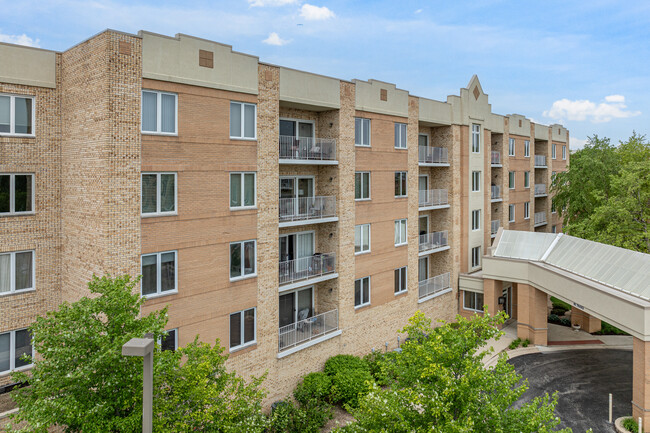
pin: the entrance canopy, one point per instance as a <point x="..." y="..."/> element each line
<point x="610" y="283"/>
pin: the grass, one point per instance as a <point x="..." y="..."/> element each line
<point x="631" y="425"/>
<point x="607" y="329"/>
<point x="560" y="304"/>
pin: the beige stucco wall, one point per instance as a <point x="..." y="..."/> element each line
<point x="310" y="90"/>
<point x="434" y="112"/>
<point x="559" y="133"/>
<point x="27" y="66"/>
<point x="519" y="125"/>
<point x="368" y="98"/>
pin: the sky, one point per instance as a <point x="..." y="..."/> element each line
<point x="584" y="64"/>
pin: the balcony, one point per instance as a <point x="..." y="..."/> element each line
<point x="312" y="329"/>
<point x="433" y="156"/>
<point x="495" y="193"/>
<point x="307" y="150"/>
<point x="433" y="242"/>
<point x="307" y="270"/>
<point x="494" y="227"/>
<point x="496" y="159"/>
<point x="540" y="190"/>
<point x="434" y="286"/>
<point x="433" y="199"/>
<point x="540" y="161"/>
<point x="540" y="219"/>
<point x="307" y="210"/>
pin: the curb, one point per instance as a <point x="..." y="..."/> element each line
<point x="4" y="415"/>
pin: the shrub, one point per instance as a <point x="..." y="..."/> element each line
<point x="287" y="418"/>
<point x="607" y="329"/>
<point x="341" y="363"/>
<point x="631" y="425"/>
<point x="314" y="386"/>
<point x="558" y="311"/>
<point x="565" y="322"/>
<point x="553" y="318"/>
<point x="525" y="343"/>
<point x="560" y="304"/>
<point x="515" y="343"/>
<point x="375" y="361"/>
<point x="348" y="386"/>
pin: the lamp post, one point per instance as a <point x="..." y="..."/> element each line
<point x="143" y="347"/>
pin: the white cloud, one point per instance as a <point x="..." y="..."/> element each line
<point x="263" y="3"/>
<point x="20" y="40"/>
<point x="315" y="13"/>
<point x="275" y="39"/>
<point x="576" y="143"/>
<point x="418" y="11"/>
<point x="582" y="109"/>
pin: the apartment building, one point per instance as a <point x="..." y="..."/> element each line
<point x="292" y="216"/>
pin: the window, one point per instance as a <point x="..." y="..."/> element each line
<point x="16" y="115"/>
<point x="527" y="210"/>
<point x="526" y="148"/>
<point x="553" y="151"/>
<point x="361" y="132"/>
<point x="553" y="207"/>
<point x="476" y="257"/>
<point x="362" y="238"/>
<point x="554" y="229"/>
<point x="423" y="140"/>
<point x="476" y="219"/>
<point x="511" y="213"/>
<point x="400" y="184"/>
<point x="158" y="193"/>
<point x="243" y="120"/>
<point x="362" y="292"/>
<point x="526" y="179"/>
<point x="400" y="280"/>
<point x="400" y="135"/>
<point x="13" y="345"/>
<point x="473" y="301"/>
<point x="242" y="329"/>
<point x="159" y="112"/>
<point x="511" y="180"/>
<point x="243" y="257"/>
<point x="476" y="181"/>
<point x="159" y="273"/>
<point x="169" y="341"/>
<point x="400" y="232"/>
<point x="563" y="152"/>
<point x="362" y="185"/>
<point x="242" y="190"/>
<point x="476" y="138"/>
<point x="16" y="272"/>
<point x="16" y="194"/>
<point x="511" y="147"/>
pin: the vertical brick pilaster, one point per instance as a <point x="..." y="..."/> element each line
<point x="532" y="314"/>
<point x="641" y="381"/>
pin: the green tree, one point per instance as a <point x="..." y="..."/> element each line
<point x="438" y="383"/>
<point x="81" y="382"/>
<point x="604" y="195"/>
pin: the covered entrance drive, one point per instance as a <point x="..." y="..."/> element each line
<point x="601" y="282"/>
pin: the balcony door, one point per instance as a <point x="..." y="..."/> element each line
<point x="296" y="246"/>
<point x="423" y="269"/>
<point x="423" y="187"/>
<point x="295" y="192"/>
<point x="296" y="306"/>
<point x="423" y="225"/>
<point x="300" y="133"/>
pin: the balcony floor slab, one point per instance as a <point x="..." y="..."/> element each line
<point x="434" y="295"/>
<point x="307" y="282"/>
<point x="309" y="343"/>
<point x="308" y="162"/>
<point x="434" y="250"/>
<point x="433" y="164"/>
<point x="425" y="208"/>
<point x="308" y="222"/>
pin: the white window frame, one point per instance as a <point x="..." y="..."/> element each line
<point x="564" y="152"/>
<point x="511" y="147"/>
<point x="369" y="292"/>
<point x="476" y="138"/>
<point x="243" y="121"/>
<point x="158" y="130"/>
<point x="242" y="173"/>
<point x="476" y="219"/>
<point x="241" y="257"/>
<point x="405" y="175"/>
<point x="362" y="251"/>
<point x="158" y="212"/>
<point x="12" y="115"/>
<point x="12" y="352"/>
<point x="12" y="270"/>
<point x="527" y="210"/>
<point x="400" y="135"/>
<point x="474" y="294"/>
<point x="476" y="181"/>
<point x="553" y="151"/>
<point x="159" y="274"/>
<point x="511" y="213"/>
<point x="514" y="180"/>
<point x="362" y="173"/>
<point x="175" y="330"/>
<point x="398" y="231"/>
<point x="363" y="119"/>
<point x="526" y="179"/>
<point x="12" y="194"/>
<point x="477" y="263"/>
<point x="241" y="324"/>
<point x="402" y="289"/>
<point x="527" y="148"/>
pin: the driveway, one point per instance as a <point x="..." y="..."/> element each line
<point x="583" y="379"/>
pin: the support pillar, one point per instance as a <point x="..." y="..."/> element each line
<point x="491" y="292"/>
<point x="587" y="322"/>
<point x="641" y="381"/>
<point x="532" y="315"/>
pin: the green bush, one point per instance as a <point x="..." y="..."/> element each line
<point x="558" y="311"/>
<point x="375" y="361"/>
<point x="560" y="304"/>
<point x="525" y="343"/>
<point x="553" y="318"/>
<point x="348" y="386"/>
<point x="565" y="322"/>
<point x="631" y="425"/>
<point x="314" y="386"/>
<point x="607" y="329"/>
<point x="309" y="418"/>
<point x="341" y="363"/>
<point x="514" y="343"/>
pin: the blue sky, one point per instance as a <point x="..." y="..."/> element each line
<point x="585" y="64"/>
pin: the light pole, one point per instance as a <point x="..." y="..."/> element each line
<point x="143" y="347"/>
